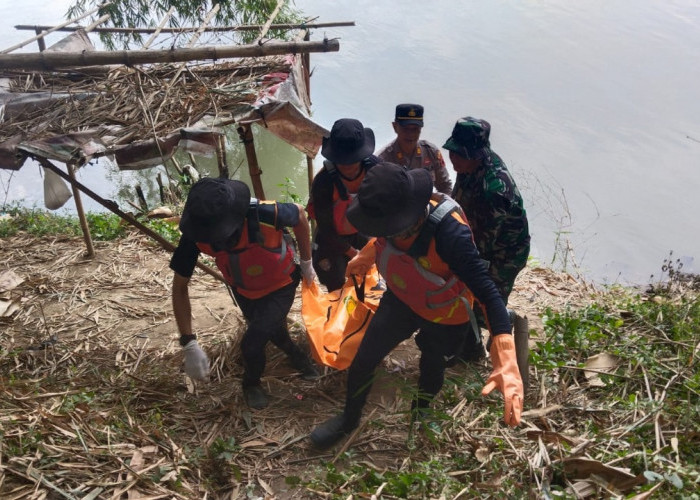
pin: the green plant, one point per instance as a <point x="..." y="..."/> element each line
<point x="165" y="229"/>
<point x="105" y="227"/>
<point x="36" y="222"/>
<point x="416" y="480"/>
<point x="653" y="389"/>
<point x="289" y="188"/>
<point x="72" y="400"/>
<point x="224" y="449"/>
<point x="142" y="13"/>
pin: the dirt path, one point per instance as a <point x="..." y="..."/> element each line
<point x="106" y="325"/>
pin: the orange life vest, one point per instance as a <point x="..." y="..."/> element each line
<point x="341" y="201"/>
<point x="421" y="279"/>
<point x="262" y="260"/>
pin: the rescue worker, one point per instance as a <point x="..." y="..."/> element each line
<point x="348" y="153"/>
<point x="248" y="240"/>
<point x="409" y="150"/>
<point x="424" y="251"/>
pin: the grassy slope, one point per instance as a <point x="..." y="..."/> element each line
<point x="93" y="400"/>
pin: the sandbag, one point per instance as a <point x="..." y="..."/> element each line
<point x="337" y="321"/>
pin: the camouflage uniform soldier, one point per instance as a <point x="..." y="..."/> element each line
<point x="489" y="197"/>
<point x="412" y="152"/>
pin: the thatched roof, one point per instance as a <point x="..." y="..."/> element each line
<point x="74" y="114"/>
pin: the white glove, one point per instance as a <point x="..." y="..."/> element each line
<point x="307" y="271"/>
<point x="196" y="361"/>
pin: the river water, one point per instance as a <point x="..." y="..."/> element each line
<point x="593" y="104"/>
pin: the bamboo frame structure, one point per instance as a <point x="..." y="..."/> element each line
<point x="137" y="101"/>
<point x="42" y="34"/>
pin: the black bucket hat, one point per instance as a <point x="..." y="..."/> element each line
<point x="348" y="142"/>
<point x="215" y="209"/>
<point x="470" y="138"/>
<point x="390" y="200"/>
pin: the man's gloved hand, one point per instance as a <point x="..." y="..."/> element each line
<point x="506" y="377"/>
<point x="196" y="361"/>
<point x="307" y="271"/>
<point x="361" y="263"/>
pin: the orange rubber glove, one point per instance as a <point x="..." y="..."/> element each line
<point x="361" y="263"/>
<point x="506" y="377"/>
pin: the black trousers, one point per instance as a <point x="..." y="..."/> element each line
<point x="267" y="321"/>
<point x="392" y="323"/>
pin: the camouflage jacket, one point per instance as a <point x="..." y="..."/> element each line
<point x="495" y="211"/>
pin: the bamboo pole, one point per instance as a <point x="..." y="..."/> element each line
<point x="221" y="156"/>
<point x="159" y="28"/>
<point x="113" y="207"/>
<point x="306" y="60"/>
<point x="40" y="41"/>
<point x="247" y="27"/>
<point x="51" y="30"/>
<point x="97" y="23"/>
<point x="246" y="134"/>
<point x="267" y="25"/>
<point x="81" y="212"/>
<point x="47" y="61"/>
<point x="310" y="179"/>
<point x="192" y="41"/>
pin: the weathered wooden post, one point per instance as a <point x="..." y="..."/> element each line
<point x="246" y="135"/>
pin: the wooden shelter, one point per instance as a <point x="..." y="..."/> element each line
<point x="70" y="103"/>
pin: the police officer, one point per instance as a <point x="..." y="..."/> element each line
<point x="247" y="239"/>
<point x="410" y="151"/>
<point x="424" y="251"/>
<point x="348" y="151"/>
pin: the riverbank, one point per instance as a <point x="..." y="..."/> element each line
<point x="95" y="403"/>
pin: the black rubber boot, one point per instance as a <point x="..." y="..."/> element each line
<point x="471" y="352"/>
<point x="308" y="369"/>
<point x="331" y="431"/>
<point x="255" y="397"/>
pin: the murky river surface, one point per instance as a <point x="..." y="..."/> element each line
<point x="594" y="106"/>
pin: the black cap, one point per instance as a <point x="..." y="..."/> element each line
<point x="215" y="209"/>
<point x="409" y="114"/>
<point x="390" y="200"/>
<point x="348" y="142"/>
